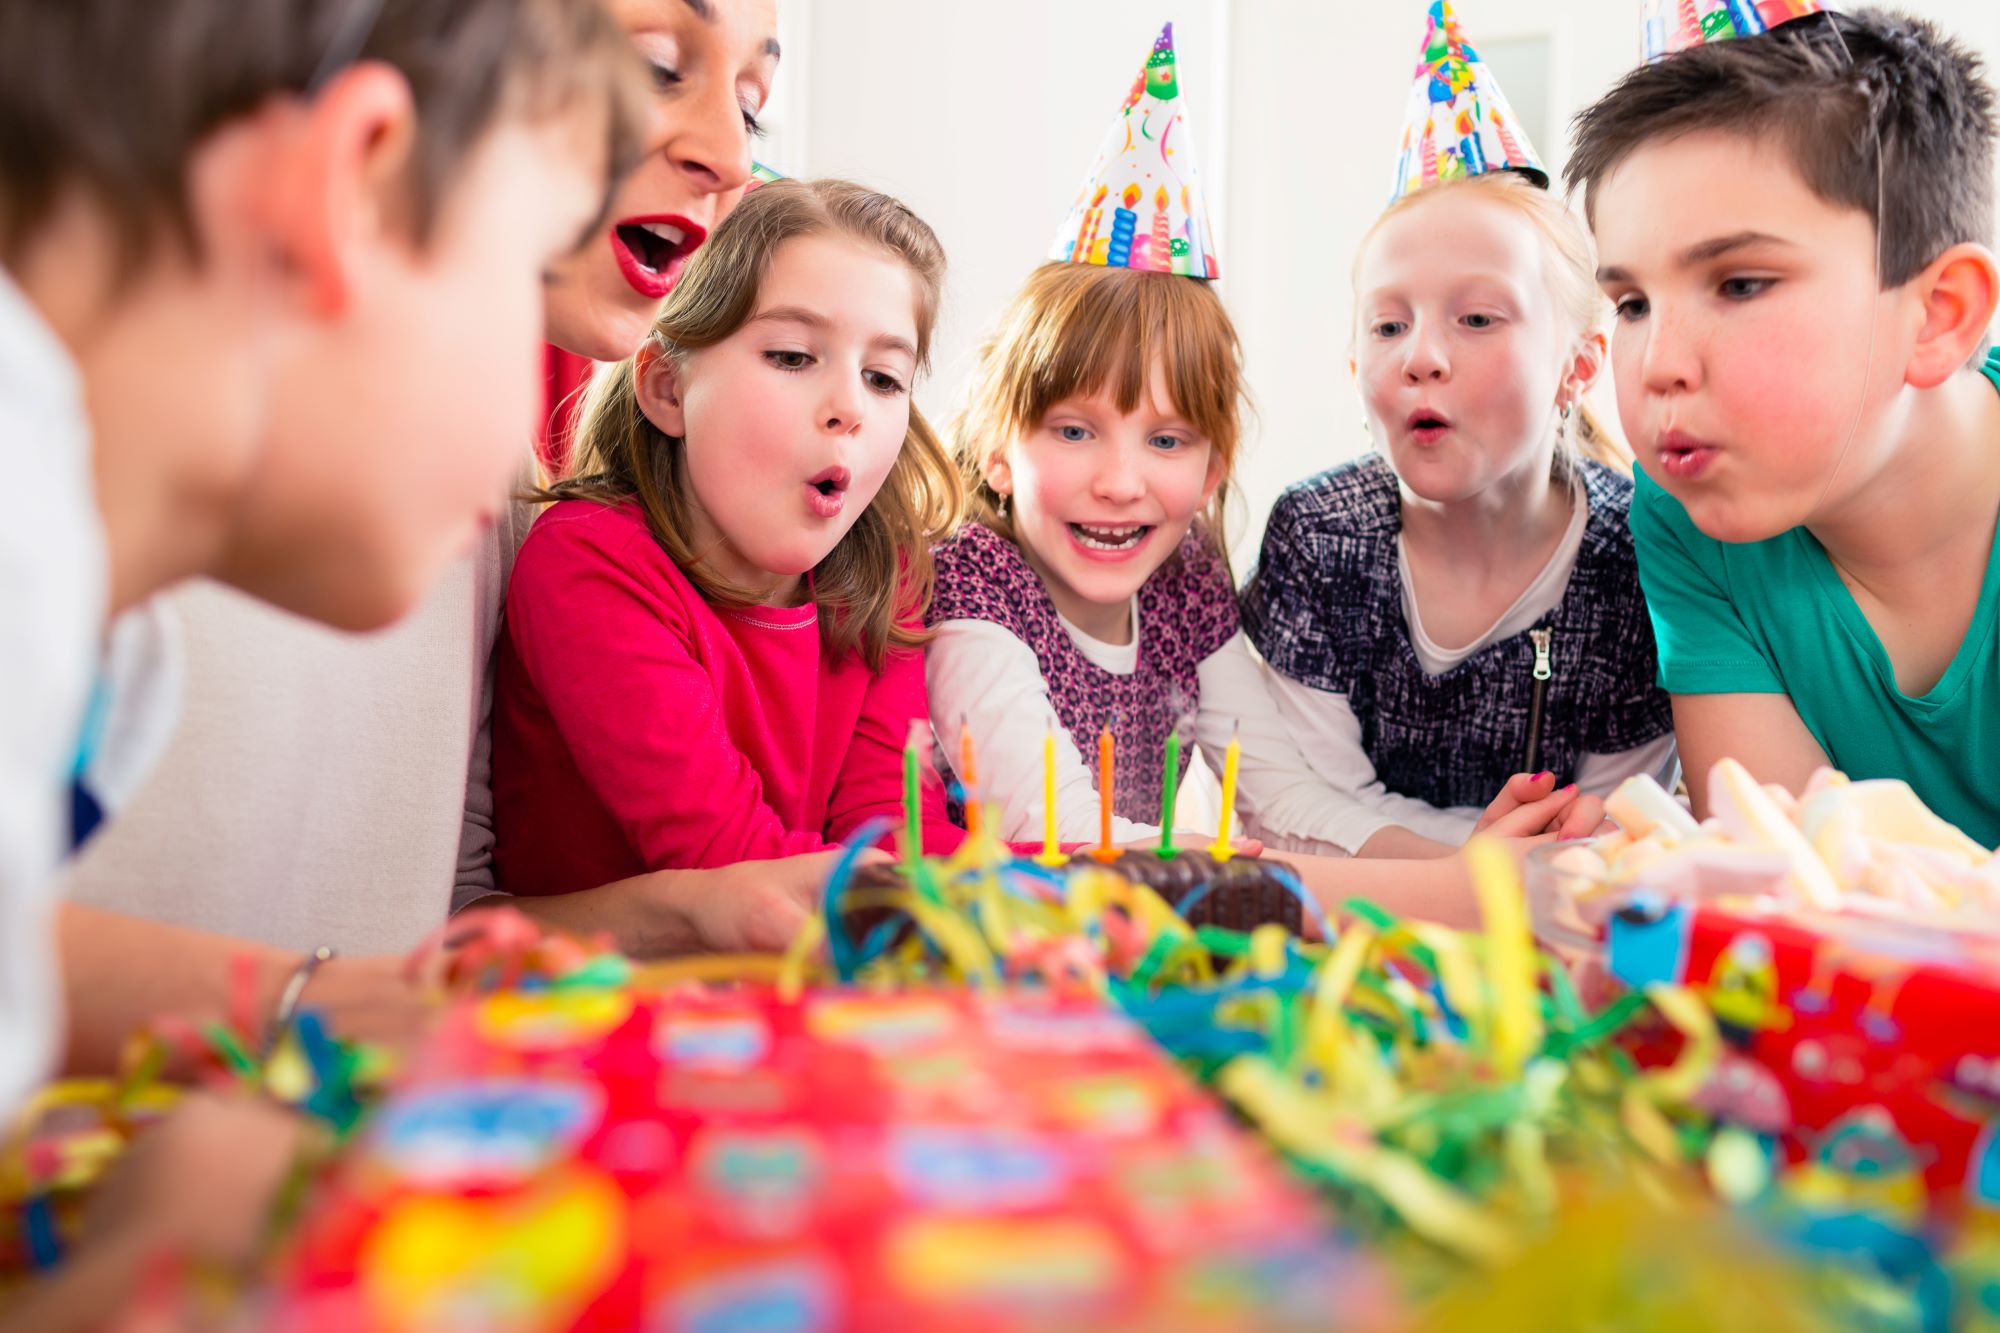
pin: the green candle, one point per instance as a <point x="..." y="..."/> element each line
<point x="913" y="823"/>
<point x="1168" y="783"/>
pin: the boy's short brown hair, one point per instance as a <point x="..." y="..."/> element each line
<point x="1876" y="111"/>
<point x="116" y="97"/>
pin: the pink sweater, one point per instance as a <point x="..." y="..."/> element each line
<point x="636" y="727"/>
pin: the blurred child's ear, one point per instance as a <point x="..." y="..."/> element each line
<point x="656" y="384"/>
<point x="1586" y="364"/>
<point x="341" y="187"/>
<point x="1958" y="292"/>
<point x="995" y="468"/>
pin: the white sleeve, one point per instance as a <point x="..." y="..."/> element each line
<point x="493" y="563"/>
<point x="987" y="680"/>
<point x="1600" y="774"/>
<point x="1305" y="783"/>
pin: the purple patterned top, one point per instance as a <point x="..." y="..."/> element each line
<point x="1187" y="611"/>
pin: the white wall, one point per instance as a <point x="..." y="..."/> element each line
<point x="983" y="117"/>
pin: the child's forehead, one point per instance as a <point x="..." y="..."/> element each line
<point x="1671" y="196"/>
<point x="1448" y="240"/>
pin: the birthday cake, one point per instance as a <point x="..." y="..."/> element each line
<point x="1239" y="893"/>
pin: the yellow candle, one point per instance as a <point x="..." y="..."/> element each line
<point x="1051" y="845"/>
<point x="1230" y="758"/>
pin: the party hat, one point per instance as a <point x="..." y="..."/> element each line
<point x="1142" y="205"/>
<point x="1667" y="26"/>
<point x="1458" y="122"/>
<point x="761" y="175"/>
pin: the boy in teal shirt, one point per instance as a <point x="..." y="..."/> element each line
<point x="1820" y="450"/>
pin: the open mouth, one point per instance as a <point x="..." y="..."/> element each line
<point x="651" y="251"/>
<point x="826" y="494"/>
<point x="1109" y="537"/>
<point x="1427" y="426"/>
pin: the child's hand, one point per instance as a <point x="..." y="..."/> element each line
<point x="372" y="1000"/>
<point x="1532" y="806"/>
<point x="201" y="1184"/>
<point x="758" y="906"/>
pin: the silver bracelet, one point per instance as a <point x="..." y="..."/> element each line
<point x="288" y="999"/>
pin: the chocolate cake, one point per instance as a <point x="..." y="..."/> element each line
<point x="1245" y="893"/>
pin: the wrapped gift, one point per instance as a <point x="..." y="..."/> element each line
<point x="1868" y="1046"/>
<point x="708" y="1160"/>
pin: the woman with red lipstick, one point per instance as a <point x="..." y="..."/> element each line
<point x="1460" y="614"/>
<point x="713" y="64"/>
<point x="317" y="790"/>
<point x="712" y="644"/>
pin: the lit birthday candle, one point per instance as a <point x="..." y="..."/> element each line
<point x="1170" y="782"/>
<point x="1106" y="765"/>
<point x="1051" y="845"/>
<point x="1230" y="758"/>
<point x="968" y="778"/>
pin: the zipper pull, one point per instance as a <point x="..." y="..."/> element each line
<point x="1541" y="638"/>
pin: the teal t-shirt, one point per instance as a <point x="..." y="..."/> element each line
<point x="1773" y="617"/>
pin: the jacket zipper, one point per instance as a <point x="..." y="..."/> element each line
<point x="1541" y="638"/>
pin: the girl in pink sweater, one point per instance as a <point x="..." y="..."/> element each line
<point x="713" y="644"/>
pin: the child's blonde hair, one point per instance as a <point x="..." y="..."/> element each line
<point x="1573" y="278"/>
<point x="1075" y="329"/>
<point x="871" y="589"/>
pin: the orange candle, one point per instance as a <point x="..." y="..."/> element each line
<point x="968" y="778"/>
<point x="1106" y="765"/>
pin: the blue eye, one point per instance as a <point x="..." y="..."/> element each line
<point x="1073" y="434"/>
<point x="1166" y="443"/>
<point x="1390" y="328"/>
<point x="1480" y="321"/>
